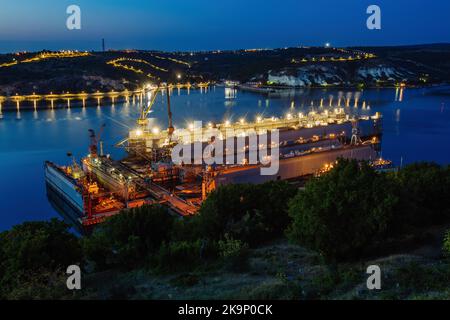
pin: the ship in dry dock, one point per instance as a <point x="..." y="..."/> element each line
<point x="308" y="144"/>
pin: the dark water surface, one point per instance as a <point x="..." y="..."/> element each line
<point x="416" y="127"/>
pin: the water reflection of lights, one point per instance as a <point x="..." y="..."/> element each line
<point x="348" y="98"/>
<point x="229" y="103"/>
<point x="399" y="94"/>
<point x="230" y="93"/>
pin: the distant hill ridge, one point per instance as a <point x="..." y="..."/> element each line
<point x="26" y="73"/>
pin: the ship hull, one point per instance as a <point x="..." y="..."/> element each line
<point x="296" y="167"/>
<point x="64" y="185"/>
<point x="64" y="196"/>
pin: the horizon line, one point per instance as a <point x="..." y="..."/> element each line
<point x="236" y="49"/>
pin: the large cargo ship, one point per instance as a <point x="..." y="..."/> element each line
<point x="306" y="145"/>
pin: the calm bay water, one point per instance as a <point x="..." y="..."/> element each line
<point x="416" y="128"/>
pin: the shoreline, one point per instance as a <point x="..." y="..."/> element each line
<point x="61" y="103"/>
<point x="281" y="88"/>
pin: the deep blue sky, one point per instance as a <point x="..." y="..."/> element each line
<point x="219" y="24"/>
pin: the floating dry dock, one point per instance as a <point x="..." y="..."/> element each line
<point x="99" y="187"/>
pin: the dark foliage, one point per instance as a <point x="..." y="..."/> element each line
<point x="344" y="212"/>
<point x="425" y="195"/>
<point x="34" y="251"/>
<point x="129" y="239"/>
<point x="253" y="214"/>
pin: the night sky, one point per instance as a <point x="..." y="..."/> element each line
<point x="213" y="24"/>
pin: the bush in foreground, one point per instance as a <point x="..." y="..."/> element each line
<point x="34" y="253"/>
<point x="234" y="254"/>
<point x="446" y="248"/>
<point x="179" y="256"/>
<point x="130" y="238"/>
<point x="425" y="194"/>
<point x="251" y="213"/>
<point x="343" y="213"/>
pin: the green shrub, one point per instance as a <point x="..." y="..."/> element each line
<point x="234" y="253"/>
<point x="229" y="247"/>
<point x="40" y="285"/>
<point x="130" y="238"/>
<point x="35" y="248"/>
<point x="417" y="277"/>
<point x="425" y="194"/>
<point x="446" y="248"/>
<point x="322" y="285"/>
<point x="344" y="212"/>
<point x="252" y="213"/>
<point x="177" y="256"/>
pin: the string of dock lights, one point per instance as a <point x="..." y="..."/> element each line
<point x="259" y="119"/>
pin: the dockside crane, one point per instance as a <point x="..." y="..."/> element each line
<point x="95" y="140"/>
<point x="170" y="128"/>
<point x="143" y="118"/>
<point x="137" y="145"/>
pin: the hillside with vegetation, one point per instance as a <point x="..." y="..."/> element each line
<point x="271" y="241"/>
<point x="58" y="72"/>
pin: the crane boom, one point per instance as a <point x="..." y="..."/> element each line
<point x="143" y="121"/>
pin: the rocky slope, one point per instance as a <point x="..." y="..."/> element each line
<point x="332" y="75"/>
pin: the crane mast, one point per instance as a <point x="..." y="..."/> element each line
<point x="95" y="139"/>
<point x="170" y="128"/>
